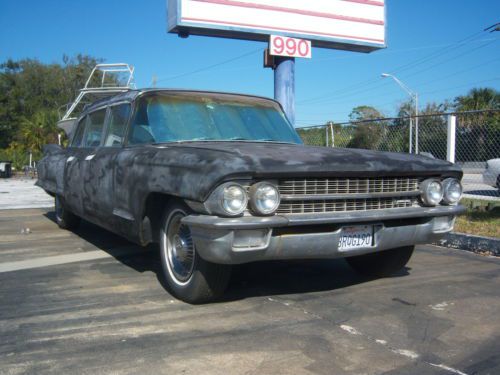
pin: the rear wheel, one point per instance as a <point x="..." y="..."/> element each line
<point x="65" y="218"/>
<point x="189" y="277"/>
<point x="381" y="264"/>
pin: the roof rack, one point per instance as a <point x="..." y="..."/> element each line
<point x="103" y="89"/>
<point x="99" y="85"/>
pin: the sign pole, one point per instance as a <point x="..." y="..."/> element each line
<point x="284" y="85"/>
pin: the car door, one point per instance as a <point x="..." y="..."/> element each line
<point x="73" y="179"/>
<point x="92" y="138"/>
<point x="100" y="166"/>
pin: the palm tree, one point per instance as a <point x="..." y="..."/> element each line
<point x="478" y="99"/>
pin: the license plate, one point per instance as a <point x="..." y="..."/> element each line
<point x="356" y="237"/>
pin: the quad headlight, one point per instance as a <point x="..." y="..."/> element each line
<point x="228" y="199"/>
<point x="431" y="192"/>
<point x="234" y="199"/>
<point x="452" y="191"/>
<point x="264" y="198"/>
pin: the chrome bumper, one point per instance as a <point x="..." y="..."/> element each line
<point x="248" y="239"/>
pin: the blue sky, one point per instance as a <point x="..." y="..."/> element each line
<point x="426" y="41"/>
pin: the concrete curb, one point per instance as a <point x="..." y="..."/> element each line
<point x="468" y="242"/>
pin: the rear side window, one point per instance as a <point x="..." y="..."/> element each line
<point x="94" y="128"/>
<point x="118" y="116"/>
<point x="77" y="139"/>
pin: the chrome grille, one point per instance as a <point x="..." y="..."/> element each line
<point x="310" y="186"/>
<point x="344" y="205"/>
<point x="322" y="195"/>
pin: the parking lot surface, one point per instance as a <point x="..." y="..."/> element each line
<point x="91" y="303"/>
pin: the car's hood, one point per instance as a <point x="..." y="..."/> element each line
<point x="277" y="159"/>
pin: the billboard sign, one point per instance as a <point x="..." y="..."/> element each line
<point x="355" y="25"/>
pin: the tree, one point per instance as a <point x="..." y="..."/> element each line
<point x="367" y="134"/>
<point x="31" y="94"/>
<point x="478" y="134"/>
<point x="478" y="99"/>
<point x="432" y="132"/>
<point x="364" y="112"/>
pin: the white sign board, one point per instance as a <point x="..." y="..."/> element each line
<point x="357" y="25"/>
<point x="291" y="47"/>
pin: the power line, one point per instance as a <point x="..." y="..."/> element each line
<point x="205" y="68"/>
<point x="433" y="55"/>
<point x="448" y="60"/>
<point x="460" y="43"/>
<point x="459" y="72"/>
<point x="346" y="100"/>
<point x="377" y="84"/>
<point x="459" y="86"/>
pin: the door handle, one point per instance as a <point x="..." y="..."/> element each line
<point x="70" y="159"/>
<point x="89" y="157"/>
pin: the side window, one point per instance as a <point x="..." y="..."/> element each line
<point x="77" y="138"/>
<point x="118" y="116"/>
<point x="94" y="128"/>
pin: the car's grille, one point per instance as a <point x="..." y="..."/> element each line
<point x="323" y="195"/>
<point x="343" y="205"/>
<point x="348" y="185"/>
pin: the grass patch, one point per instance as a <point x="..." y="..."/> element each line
<point x="481" y="219"/>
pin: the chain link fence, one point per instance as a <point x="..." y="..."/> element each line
<point x="477" y="140"/>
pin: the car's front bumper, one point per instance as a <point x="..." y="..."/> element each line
<point x="250" y="238"/>
<point x="489" y="178"/>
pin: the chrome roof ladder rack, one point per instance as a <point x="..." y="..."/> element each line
<point x="99" y="85"/>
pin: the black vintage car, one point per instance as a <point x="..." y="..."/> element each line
<point x="219" y="179"/>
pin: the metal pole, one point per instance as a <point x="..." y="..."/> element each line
<point x="451" y="138"/>
<point x="284" y="85"/>
<point x="326" y="136"/>
<point x="411" y="135"/>
<point x="416" y="123"/>
<point x="333" y="135"/>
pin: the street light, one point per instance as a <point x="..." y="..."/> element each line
<point x="414" y="97"/>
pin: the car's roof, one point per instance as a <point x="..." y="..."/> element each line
<point x="131" y="95"/>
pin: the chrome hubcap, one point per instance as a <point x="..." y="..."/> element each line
<point x="180" y="249"/>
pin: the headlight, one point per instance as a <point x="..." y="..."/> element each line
<point x="431" y="192"/>
<point x="228" y="199"/>
<point x="234" y="199"/>
<point x="452" y="191"/>
<point x="264" y="198"/>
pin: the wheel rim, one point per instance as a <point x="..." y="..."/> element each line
<point x="59" y="208"/>
<point x="180" y="249"/>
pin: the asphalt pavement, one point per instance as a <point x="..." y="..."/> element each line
<point x="90" y="302"/>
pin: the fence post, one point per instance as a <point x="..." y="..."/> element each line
<point x="411" y="135"/>
<point x="333" y="135"/>
<point x="451" y="138"/>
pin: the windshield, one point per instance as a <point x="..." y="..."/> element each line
<point x="203" y="117"/>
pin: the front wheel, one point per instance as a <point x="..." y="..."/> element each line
<point x="64" y="217"/>
<point x="383" y="263"/>
<point x="189" y="277"/>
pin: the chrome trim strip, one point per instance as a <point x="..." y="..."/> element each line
<point x="312" y="197"/>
